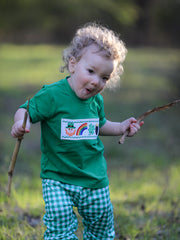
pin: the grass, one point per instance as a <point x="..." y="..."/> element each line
<point x="144" y="172"/>
<point x="147" y="200"/>
<point x="22" y="66"/>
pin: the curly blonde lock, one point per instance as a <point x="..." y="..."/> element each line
<point x="105" y="39"/>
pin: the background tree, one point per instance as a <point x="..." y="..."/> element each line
<point x="140" y="22"/>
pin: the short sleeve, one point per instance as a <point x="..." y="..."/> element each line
<point x="102" y="118"/>
<point x="42" y="105"/>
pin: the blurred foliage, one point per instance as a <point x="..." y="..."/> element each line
<point x="139" y="21"/>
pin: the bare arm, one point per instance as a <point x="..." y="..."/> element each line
<point x="17" y="129"/>
<point x="119" y="128"/>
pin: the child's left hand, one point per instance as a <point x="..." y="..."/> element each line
<point x="132" y="126"/>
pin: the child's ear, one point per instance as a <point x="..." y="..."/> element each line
<point x="72" y="64"/>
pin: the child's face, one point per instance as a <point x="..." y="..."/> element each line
<point x="90" y="74"/>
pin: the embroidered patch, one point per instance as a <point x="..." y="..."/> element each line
<point x="79" y="129"/>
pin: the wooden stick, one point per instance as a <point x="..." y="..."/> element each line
<point x="156" y="109"/>
<point x="15" y="153"/>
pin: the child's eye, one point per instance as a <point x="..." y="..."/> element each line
<point x="90" y="71"/>
<point x="105" y="79"/>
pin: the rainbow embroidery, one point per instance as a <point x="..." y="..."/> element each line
<point x="81" y="129"/>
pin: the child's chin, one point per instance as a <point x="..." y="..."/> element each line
<point x="84" y="97"/>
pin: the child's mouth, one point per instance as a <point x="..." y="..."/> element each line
<point x="88" y="90"/>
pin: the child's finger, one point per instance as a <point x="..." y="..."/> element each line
<point x="27" y="130"/>
<point x="138" y="125"/>
<point x="141" y="123"/>
<point x="132" y="120"/>
<point x="134" y="128"/>
<point x="17" y="131"/>
<point x="132" y="131"/>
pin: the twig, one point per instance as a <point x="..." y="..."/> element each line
<point x="156" y="109"/>
<point x="15" y="153"/>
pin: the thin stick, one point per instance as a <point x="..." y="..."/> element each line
<point x="15" y="153"/>
<point x="156" y="109"/>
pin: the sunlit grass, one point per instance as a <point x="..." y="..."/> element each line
<point x="38" y="64"/>
<point x="29" y="65"/>
<point x="147" y="182"/>
<point x="24" y="207"/>
<point x="145" y="200"/>
<point x="29" y="194"/>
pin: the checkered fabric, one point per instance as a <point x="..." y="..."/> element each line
<point x="93" y="205"/>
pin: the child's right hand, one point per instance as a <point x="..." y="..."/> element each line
<point x="17" y="129"/>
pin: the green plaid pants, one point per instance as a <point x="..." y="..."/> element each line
<point x="93" y="205"/>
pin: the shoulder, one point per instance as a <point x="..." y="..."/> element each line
<point x="56" y="85"/>
<point x="51" y="90"/>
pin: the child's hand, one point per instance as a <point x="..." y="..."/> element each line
<point x="17" y="129"/>
<point x="132" y="126"/>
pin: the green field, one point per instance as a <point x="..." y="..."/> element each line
<point x="144" y="172"/>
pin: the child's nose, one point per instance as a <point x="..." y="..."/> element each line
<point x="95" y="81"/>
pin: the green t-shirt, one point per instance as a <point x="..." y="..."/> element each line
<point x="72" y="152"/>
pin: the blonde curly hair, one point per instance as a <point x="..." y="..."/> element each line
<point x="107" y="42"/>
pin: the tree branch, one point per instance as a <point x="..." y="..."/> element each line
<point x="156" y="109"/>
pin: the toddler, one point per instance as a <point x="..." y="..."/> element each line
<point x="71" y="112"/>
